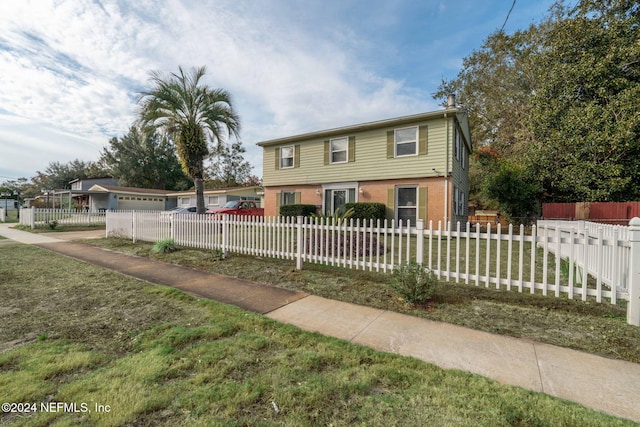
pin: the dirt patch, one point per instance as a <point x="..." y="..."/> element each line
<point x="10" y="345"/>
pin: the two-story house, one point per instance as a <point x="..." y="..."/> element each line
<point x="418" y="166"/>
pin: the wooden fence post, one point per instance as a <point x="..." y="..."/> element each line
<point x="299" y="243"/>
<point x="633" y="308"/>
<point x="33" y="217"/>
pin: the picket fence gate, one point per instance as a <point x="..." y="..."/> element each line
<point x="560" y="259"/>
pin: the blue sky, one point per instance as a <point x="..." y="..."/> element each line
<point x="71" y="69"/>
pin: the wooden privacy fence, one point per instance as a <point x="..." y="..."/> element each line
<point x="35" y="218"/>
<point x="572" y="260"/>
<point x="602" y="212"/>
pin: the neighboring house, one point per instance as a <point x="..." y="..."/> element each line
<point x="80" y="189"/>
<point x="217" y="198"/>
<point x="416" y="165"/>
<point x="104" y="197"/>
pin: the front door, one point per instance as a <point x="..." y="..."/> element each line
<point x="335" y="199"/>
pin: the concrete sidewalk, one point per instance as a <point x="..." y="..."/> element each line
<point x="610" y="386"/>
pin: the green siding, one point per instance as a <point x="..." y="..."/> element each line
<point x="371" y="163"/>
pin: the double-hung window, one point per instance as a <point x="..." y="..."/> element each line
<point x="339" y="150"/>
<point x="407" y="204"/>
<point x="406" y="141"/>
<point x="288" y="198"/>
<point x="286" y="157"/>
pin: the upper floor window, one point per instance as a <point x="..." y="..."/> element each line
<point x="339" y="150"/>
<point x="406" y="141"/>
<point x="286" y="157"/>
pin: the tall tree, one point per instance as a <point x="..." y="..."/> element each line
<point x="560" y="101"/>
<point x="58" y="175"/>
<point x="584" y="112"/>
<point x="229" y="167"/>
<point x="143" y="158"/>
<point x="194" y="114"/>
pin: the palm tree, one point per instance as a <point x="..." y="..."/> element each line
<point x="193" y="114"/>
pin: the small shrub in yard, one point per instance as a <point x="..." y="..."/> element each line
<point x="164" y="246"/>
<point x="297" y="210"/>
<point x="367" y="211"/>
<point x="52" y="224"/>
<point x="413" y="282"/>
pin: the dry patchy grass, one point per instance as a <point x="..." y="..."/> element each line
<point x="597" y="328"/>
<point x="80" y="333"/>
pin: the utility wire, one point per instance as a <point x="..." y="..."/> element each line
<point x="508" y="14"/>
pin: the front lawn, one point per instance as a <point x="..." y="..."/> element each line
<point x="138" y="354"/>
<point x="586" y="326"/>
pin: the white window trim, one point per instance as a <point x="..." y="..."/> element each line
<point x="346" y="150"/>
<point x="293" y="155"/>
<point x="395" y="141"/>
<point x="339" y="186"/>
<point x="217" y="199"/>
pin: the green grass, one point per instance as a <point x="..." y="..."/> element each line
<point x="77" y="333"/>
<point x="60" y="228"/>
<point x="12" y="215"/>
<point x="597" y="328"/>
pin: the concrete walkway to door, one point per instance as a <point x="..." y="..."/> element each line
<point x="610" y="386"/>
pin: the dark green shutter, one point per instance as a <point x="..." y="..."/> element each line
<point x="422" y="204"/>
<point x="296" y="197"/>
<point x="327" y="150"/>
<point x="391" y="152"/>
<point x="278" y="202"/>
<point x="277" y="158"/>
<point x="296" y="156"/>
<point x="352" y="148"/>
<point x="422" y="140"/>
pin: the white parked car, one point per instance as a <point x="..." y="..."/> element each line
<point x="178" y="211"/>
<point x="182" y="210"/>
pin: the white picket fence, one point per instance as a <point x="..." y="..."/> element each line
<point x="598" y="250"/>
<point x="561" y="260"/>
<point x="36" y="217"/>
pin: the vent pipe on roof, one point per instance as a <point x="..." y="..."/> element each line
<point x="451" y="101"/>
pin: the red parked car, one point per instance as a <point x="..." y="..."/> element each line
<point x="239" y="207"/>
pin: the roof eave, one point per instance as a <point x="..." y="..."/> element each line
<point x="360" y="127"/>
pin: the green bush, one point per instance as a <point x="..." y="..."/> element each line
<point x="164" y="246"/>
<point x="297" y="210"/>
<point x="367" y="211"/>
<point x="413" y="282"/>
<point x="52" y="224"/>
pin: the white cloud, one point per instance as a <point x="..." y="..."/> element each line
<point x="71" y="69"/>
